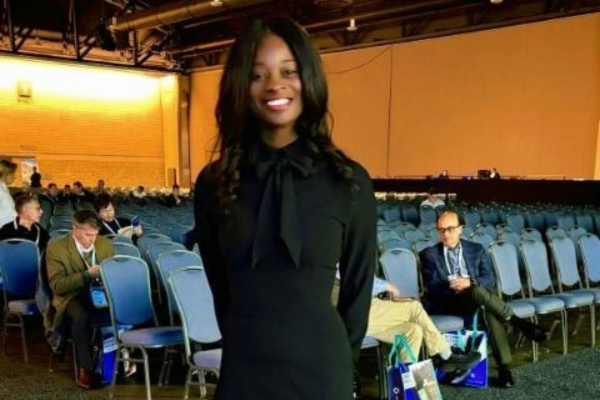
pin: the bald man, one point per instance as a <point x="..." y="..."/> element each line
<point x="458" y="279"/>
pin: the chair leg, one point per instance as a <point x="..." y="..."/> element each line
<point x="565" y="331"/>
<point x="146" y="373"/>
<point x="23" y="337"/>
<point x="4" y="328"/>
<point x="592" y="325"/>
<point x="382" y="375"/>
<point x="580" y="319"/>
<point x="188" y="382"/>
<point x="111" y="392"/>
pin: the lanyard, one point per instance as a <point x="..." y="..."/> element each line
<point x="110" y="228"/>
<point x="93" y="258"/>
<point x="461" y="261"/>
<point x="37" y="230"/>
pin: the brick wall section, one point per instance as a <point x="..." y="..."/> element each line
<point x="78" y="137"/>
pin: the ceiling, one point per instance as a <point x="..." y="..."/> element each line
<point x="183" y="35"/>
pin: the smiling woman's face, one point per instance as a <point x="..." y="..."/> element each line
<point x="276" y="88"/>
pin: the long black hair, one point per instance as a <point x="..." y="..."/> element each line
<point x="239" y="132"/>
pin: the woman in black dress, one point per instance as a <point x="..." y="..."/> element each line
<point x="275" y="213"/>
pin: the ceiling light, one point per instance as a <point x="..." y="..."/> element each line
<point x="216" y="3"/>
<point x="496" y="1"/>
<point x="352" y="26"/>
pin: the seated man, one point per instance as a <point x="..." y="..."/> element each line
<point x="174" y="199"/>
<point x="393" y="315"/>
<point x="433" y="200"/>
<point x="80" y="196"/>
<point x="111" y="224"/>
<point x="26" y="224"/>
<point x="72" y="264"/>
<point x="458" y="280"/>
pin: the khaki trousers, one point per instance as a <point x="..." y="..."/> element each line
<point x="390" y="318"/>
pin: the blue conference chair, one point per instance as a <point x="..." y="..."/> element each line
<point x="127" y="283"/>
<point x="126" y="249"/>
<point x="590" y="254"/>
<point x="569" y="282"/>
<point x="169" y="262"/>
<point x="19" y="265"/>
<point x="506" y="266"/>
<point x="540" y="285"/>
<point x="196" y="308"/>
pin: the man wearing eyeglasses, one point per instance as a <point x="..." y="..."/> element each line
<point x="458" y="279"/>
<point x="26" y="224"/>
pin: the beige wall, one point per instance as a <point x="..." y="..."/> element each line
<point x="87" y="123"/>
<point x="525" y="99"/>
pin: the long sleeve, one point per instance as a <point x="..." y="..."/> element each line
<point x="357" y="263"/>
<point x="206" y="232"/>
<point x="436" y="284"/>
<point x="61" y="280"/>
<point x="483" y="275"/>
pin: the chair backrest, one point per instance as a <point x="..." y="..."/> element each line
<point x="490" y="217"/>
<point x="590" y="253"/>
<point x="410" y="213"/>
<point x="148" y="239"/>
<point x="565" y="260"/>
<point x="531" y="234"/>
<point x="171" y="261"/>
<point x="161" y="247"/>
<point x="421" y="244"/>
<point x="126" y="249"/>
<point x="536" y="220"/>
<point x="121" y="239"/>
<point x="194" y="301"/>
<point x="412" y="235"/>
<point x="471" y="218"/>
<point x="516" y="222"/>
<point x="486" y="228"/>
<point x="504" y="259"/>
<point x="59" y="232"/>
<point x="467" y="231"/>
<point x="555" y="232"/>
<point x="400" y="268"/>
<point x="19" y="265"/>
<point x="397" y="243"/>
<point x="383" y="235"/>
<point x="575" y="231"/>
<point x="483" y="239"/>
<point x="585" y="221"/>
<point x="391" y="214"/>
<point x="536" y="265"/>
<point x="427" y="215"/>
<point x="565" y="222"/>
<point x="127" y="283"/>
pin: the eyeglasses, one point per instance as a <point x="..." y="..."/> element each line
<point x="448" y="229"/>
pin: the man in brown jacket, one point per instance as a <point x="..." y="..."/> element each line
<point x="73" y="264"/>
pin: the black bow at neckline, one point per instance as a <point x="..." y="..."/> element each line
<point x="278" y="214"/>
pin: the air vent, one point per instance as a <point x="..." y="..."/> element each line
<point x="332" y="3"/>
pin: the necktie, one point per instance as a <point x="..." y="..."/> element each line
<point x="87" y="258"/>
<point x="277" y="215"/>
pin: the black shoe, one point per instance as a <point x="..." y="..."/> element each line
<point x="531" y="331"/>
<point x="356" y="388"/>
<point x="462" y="362"/>
<point x="505" y="378"/>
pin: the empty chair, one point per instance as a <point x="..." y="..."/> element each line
<point x="391" y="214"/>
<point x="486" y="228"/>
<point x="412" y="235"/>
<point x="171" y="261"/>
<point x="386" y="234"/>
<point x="482" y="238"/>
<point x="427" y="215"/>
<point x="531" y="234"/>
<point x="59" y="232"/>
<point x="421" y="244"/>
<point x="194" y="300"/>
<point x="400" y="227"/>
<point x="399" y="243"/>
<point x="539" y="284"/>
<point x="490" y="217"/>
<point x="126" y="249"/>
<point x="122" y="239"/>
<point x="565" y="222"/>
<point x="127" y="283"/>
<point x="19" y="264"/>
<point x="410" y="214"/>
<point x="471" y="218"/>
<point x="536" y="220"/>
<point x="585" y="221"/>
<point x="467" y="231"/>
<point x="555" y="232"/>
<point x="569" y="282"/>
<point x="508" y="283"/>
<point x="550" y="218"/>
<point x="574" y="233"/>
<point x="516" y="222"/>
<point x="590" y="254"/>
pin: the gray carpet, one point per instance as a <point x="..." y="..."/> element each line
<point x="570" y="377"/>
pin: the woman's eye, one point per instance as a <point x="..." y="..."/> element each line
<point x="289" y="72"/>
<point x="258" y="76"/>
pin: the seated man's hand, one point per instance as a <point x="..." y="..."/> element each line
<point x="94" y="271"/>
<point x="460" y="284"/>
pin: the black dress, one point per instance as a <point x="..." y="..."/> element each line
<point x="271" y="264"/>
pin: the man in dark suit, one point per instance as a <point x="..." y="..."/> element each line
<point x="458" y="280"/>
<point x="73" y="265"/>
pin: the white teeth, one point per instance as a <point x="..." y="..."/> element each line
<point x="278" y="102"/>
